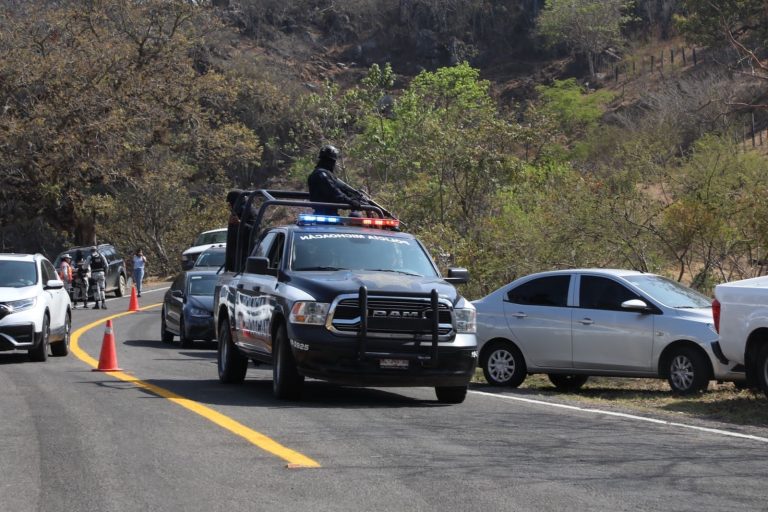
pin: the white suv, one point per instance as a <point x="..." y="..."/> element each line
<point x="35" y="310"/>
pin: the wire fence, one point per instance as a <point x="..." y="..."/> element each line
<point x="667" y="60"/>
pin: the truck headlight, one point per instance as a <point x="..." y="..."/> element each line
<point x="466" y="320"/>
<point x="21" y="305"/>
<point x="310" y="313"/>
<point x="199" y="312"/>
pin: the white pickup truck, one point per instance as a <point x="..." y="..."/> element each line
<point x="740" y="309"/>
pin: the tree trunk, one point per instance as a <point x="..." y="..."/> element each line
<point x="85" y="229"/>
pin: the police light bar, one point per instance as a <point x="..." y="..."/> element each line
<point x="306" y="219"/>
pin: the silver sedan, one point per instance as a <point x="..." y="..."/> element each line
<point x="571" y="324"/>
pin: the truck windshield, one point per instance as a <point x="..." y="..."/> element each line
<point x="358" y="251"/>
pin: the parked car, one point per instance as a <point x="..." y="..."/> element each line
<point x="116" y="280"/>
<point x="571" y="324"/>
<point x="188" y="308"/>
<point x="35" y="310"/>
<point x="212" y="258"/>
<point x="203" y="241"/>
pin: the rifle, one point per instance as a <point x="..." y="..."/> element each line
<point x="363" y="198"/>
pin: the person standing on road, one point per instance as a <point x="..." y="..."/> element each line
<point x="82" y="275"/>
<point x="324" y="187"/>
<point x="233" y="226"/>
<point x="139" y="260"/>
<point x="99" y="276"/>
<point x="65" y="272"/>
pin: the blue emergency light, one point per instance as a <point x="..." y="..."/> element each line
<point x="306" y="219"/>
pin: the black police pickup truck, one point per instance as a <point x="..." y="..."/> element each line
<point x="349" y="300"/>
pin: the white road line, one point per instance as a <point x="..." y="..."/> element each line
<point x="625" y="416"/>
<point x="143" y="292"/>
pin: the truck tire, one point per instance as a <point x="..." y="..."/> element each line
<point x="451" y="394"/>
<point x="688" y="371"/>
<point x="762" y="368"/>
<point x="503" y="365"/>
<point x="567" y="383"/>
<point x="286" y="380"/>
<point x="40" y="352"/>
<point x="232" y="363"/>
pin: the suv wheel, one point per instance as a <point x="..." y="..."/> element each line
<point x="503" y="365"/>
<point x="286" y="380"/>
<point x="567" y="383"/>
<point x="231" y="362"/>
<point x="121" y="286"/>
<point x="40" y="352"/>
<point x="688" y="371"/>
<point x="451" y="394"/>
<point x="61" y="348"/>
<point x="165" y="335"/>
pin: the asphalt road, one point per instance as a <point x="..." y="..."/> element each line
<point x="178" y="440"/>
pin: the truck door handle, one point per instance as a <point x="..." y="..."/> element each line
<point x="519" y="314"/>
<point x="586" y="321"/>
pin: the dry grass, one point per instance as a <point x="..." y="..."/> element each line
<point x="721" y="403"/>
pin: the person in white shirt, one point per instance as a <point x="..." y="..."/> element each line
<point x="139" y="261"/>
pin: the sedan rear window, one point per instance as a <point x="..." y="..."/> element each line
<point x="17" y="274"/>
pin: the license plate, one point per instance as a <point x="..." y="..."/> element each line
<point x="396" y="364"/>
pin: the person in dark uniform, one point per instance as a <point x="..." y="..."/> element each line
<point x="99" y="276"/>
<point x="324" y="187"/>
<point x="232" y="227"/>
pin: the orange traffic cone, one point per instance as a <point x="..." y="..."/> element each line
<point x="108" y="356"/>
<point x="133" y="305"/>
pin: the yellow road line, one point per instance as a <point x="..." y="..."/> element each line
<point x="293" y="458"/>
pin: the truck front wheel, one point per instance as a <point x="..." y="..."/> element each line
<point x="762" y="368"/>
<point x="286" y="379"/>
<point x="231" y="362"/>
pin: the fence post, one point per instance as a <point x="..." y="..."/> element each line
<point x="682" y="50"/>
<point x="753" y="130"/>
<point x="633" y="67"/>
<point x="672" y="56"/>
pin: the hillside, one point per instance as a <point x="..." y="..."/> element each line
<point x="511" y="144"/>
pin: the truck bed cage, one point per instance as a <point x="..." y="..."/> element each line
<point x="248" y="231"/>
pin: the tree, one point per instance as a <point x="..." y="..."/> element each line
<point x="588" y="27"/>
<point x="742" y="24"/>
<point x="93" y="92"/>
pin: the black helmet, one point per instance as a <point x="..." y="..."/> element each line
<point x="329" y="152"/>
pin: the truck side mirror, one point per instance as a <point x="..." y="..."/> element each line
<point x="457" y="275"/>
<point x="257" y="265"/>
